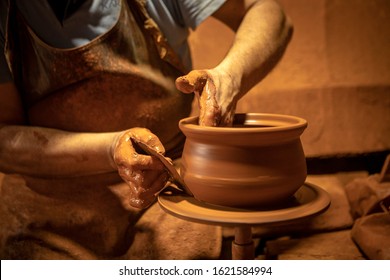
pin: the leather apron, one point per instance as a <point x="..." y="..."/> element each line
<point x="131" y="65"/>
<point x="123" y="78"/>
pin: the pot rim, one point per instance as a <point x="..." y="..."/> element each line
<point x="271" y="123"/>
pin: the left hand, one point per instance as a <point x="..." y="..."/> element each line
<point x="216" y="94"/>
<point x="145" y="175"/>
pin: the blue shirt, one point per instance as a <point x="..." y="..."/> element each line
<point x="95" y="17"/>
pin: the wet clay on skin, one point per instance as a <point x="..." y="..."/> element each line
<point x="144" y="174"/>
<point x="204" y="89"/>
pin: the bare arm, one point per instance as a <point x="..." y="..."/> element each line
<point x="262" y="34"/>
<point x="45" y="152"/>
<point x="51" y="153"/>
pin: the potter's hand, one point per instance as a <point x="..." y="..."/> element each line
<point x="144" y="174"/>
<point x="216" y="95"/>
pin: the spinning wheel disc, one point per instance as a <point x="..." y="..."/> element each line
<point x="308" y="201"/>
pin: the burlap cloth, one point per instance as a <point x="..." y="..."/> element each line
<point x="359" y="204"/>
<point x="161" y="236"/>
<point x="370" y="204"/>
<point x="156" y="235"/>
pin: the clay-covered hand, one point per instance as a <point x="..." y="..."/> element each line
<point x="216" y="94"/>
<point x="144" y="174"/>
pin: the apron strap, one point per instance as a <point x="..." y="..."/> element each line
<point x="164" y="49"/>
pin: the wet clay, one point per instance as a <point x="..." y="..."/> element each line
<point x="257" y="162"/>
<point x="144" y="174"/>
<point x="199" y="83"/>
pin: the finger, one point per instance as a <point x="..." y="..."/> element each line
<point x="210" y="112"/>
<point x="146" y="162"/>
<point x="156" y="184"/>
<point x="149" y="139"/>
<point x="184" y="85"/>
<point x="145" y="194"/>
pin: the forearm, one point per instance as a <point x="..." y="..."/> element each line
<point x="259" y="43"/>
<point x="51" y="153"/>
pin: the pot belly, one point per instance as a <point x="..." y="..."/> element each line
<point x="237" y="176"/>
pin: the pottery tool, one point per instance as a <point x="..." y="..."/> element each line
<point x="169" y="167"/>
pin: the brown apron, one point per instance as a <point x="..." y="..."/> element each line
<point x="67" y="88"/>
<point x="122" y="79"/>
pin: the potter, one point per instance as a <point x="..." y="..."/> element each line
<point x="257" y="164"/>
<point x="80" y="79"/>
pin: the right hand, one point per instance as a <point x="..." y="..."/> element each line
<point x="144" y="174"/>
<point x="216" y="93"/>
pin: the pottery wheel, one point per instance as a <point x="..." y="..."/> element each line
<point x="308" y="201"/>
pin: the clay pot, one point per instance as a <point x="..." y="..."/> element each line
<point x="259" y="161"/>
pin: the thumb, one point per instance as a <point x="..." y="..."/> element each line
<point x="192" y="82"/>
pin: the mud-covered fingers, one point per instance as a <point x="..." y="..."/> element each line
<point x="194" y="81"/>
<point x="149" y="139"/>
<point x="146" y="162"/>
<point x="125" y="149"/>
<point x="143" y="192"/>
<point x="210" y="111"/>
